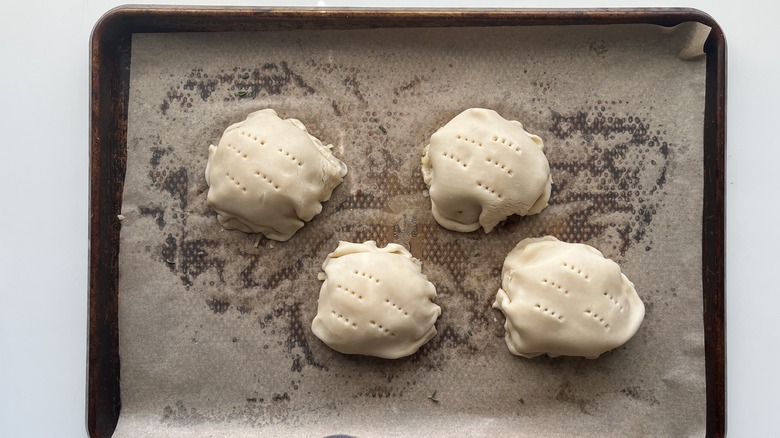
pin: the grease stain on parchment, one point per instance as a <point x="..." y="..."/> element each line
<point x="609" y="170"/>
<point x="255" y="411"/>
<point x="157" y="212"/>
<point x="586" y="403"/>
<point x="270" y="79"/>
<point x="191" y="257"/>
<point x="640" y="394"/>
<point x="297" y="338"/>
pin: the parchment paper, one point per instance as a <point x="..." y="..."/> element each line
<point x="215" y="335"/>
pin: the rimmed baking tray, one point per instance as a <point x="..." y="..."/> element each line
<point x="112" y="106"/>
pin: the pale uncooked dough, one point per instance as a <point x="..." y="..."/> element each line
<point x="270" y="175"/>
<point x="565" y="299"/>
<point x="482" y="168"/>
<point x="375" y="301"/>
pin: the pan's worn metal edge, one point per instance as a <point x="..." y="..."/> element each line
<point x="713" y="232"/>
<point x="109" y="89"/>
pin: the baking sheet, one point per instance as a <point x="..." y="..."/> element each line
<point x="219" y="342"/>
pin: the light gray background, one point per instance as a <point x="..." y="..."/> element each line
<point x="44" y="59"/>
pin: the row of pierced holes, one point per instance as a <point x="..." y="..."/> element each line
<point x="341" y="317"/>
<point x="267" y="179"/>
<point x="363" y="274"/>
<point x="454" y="158"/>
<point x="253" y="137"/>
<point x="381" y="329"/>
<point x="597" y="318"/>
<point x="349" y="291"/>
<point x="397" y="307"/>
<point x="615" y="301"/>
<point x="579" y="271"/>
<point x="288" y="155"/>
<point x="499" y="165"/>
<point x="233" y="179"/>
<point x="262" y="142"/>
<point x="468" y="140"/>
<point x="504" y="141"/>
<point x="487" y="188"/>
<point x="552" y="284"/>
<point x="238" y="151"/>
<point x="548" y="312"/>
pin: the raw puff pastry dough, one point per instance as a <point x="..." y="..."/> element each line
<point x="565" y="299"/>
<point x="375" y="301"/>
<point x="482" y="168"/>
<point x="270" y="175"/>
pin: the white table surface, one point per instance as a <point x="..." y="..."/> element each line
<point x="44" y="59"/>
